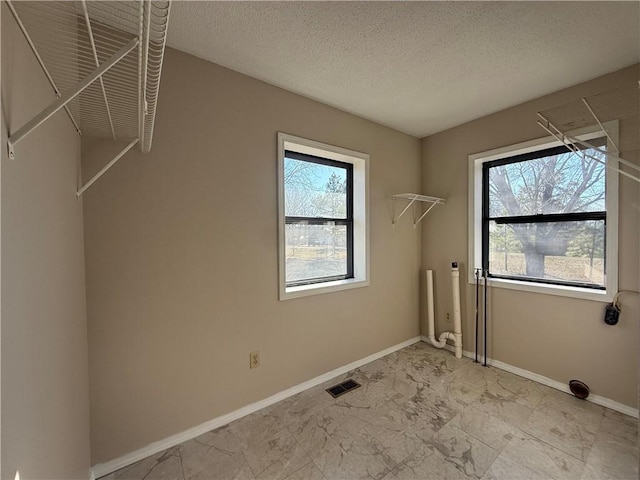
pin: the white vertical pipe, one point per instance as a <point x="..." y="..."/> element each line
<point x="430" y="309"/>
<point x="457" y="322"/>
<point x="431" y="335"/>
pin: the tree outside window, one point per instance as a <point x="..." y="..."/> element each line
<point x="544" y="217"/>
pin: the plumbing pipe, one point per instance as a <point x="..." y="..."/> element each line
<point x="430" y="315"/>
<point x="477" y="272"/>
<point x="456" y="336"/>
<point x="484" y="335"/>
<point x="457" y="322"/>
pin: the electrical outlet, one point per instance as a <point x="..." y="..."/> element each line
<point x="448" y="316"/>
<point x="254" y="359"/>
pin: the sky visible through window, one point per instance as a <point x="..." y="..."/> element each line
<point x="557" y="184"/>
<point x="315" y="250"/>
<point x="569" y="250"/>
<point x="314" y="190"/>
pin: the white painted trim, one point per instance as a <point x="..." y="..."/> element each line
<point x="111" y="466"/>
<point x="474" y="218"/>
<point x="597" y="399"/>
<point x="361" y="216"/>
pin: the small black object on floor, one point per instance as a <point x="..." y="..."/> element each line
<point x="343" y="388"/>
<point x="579" y="389"/>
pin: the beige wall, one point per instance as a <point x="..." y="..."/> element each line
<point x="558" y="337"/>
<point x="181" y="259"/>
<point x="45" y="385"/>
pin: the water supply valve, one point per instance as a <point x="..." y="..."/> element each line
<point x="611" y="314"/>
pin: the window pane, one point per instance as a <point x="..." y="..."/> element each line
<point x="557" y="251"/>
<point x="561" y="183"/>
<point x="314" y="190"/>
<point x="315" y="251"/>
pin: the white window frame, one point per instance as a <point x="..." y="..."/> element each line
<point x="611" y="201"/>
<point x="361" y="244"/>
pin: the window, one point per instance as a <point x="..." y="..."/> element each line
<point x="323" y="218"/>
<point x="318" y="212"/>
<point x="544" y="219"/>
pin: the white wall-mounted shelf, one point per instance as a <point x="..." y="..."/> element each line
<point x="103" y="60"/>
<point x="415" y="200"/>
<point x="621" y="105"/>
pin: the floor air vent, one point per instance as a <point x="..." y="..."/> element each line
<point x="343" y="388"/>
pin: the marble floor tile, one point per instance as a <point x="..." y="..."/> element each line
<point x="582" y="411"/>
<point x="431" y="465"/>
<point x="419" y="414"/>
<point x="297" y="408"/>
<point x="461" y="395"/>
<point x="213" y="471"/>
<point x="337" y="464"/>
<point x="423" y="364"/>
<point x="565" y="422"/>
<point x="467" y="453"/>
<point x="216" y="454"/>
<point x="562" y="431"/>
<point x="394" y="433"/>
<point x="507" y="410"/>
<point x="622" y="428"/>
<point x="526" y="458"/>
<point x="424" y="375"/>
<point x="323" y="431"/>
<point x="517" y="389"/>
<point x="476" y="375"/>
<point x="275" y="456"/>
<point x="390" y="476"/>
<point x="406" y="384"/>
<point x="378" y="371"/>
<point x="256" y="424"/>
<point x="370" y="393"/>
<point x="614" y="454"/>
<point x="428" y="411"/>
<point x="309" y="472"/>
<point x="166" y="465"/>
<point x="382" y="431"/>
<point x="491" y="430"/>
<point x="441" y="358"/>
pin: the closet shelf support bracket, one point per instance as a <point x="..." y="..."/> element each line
<point x="66" y="98"/>
<point x="413" y="198"/>
<point x="27" y="37"/>
<point x="571" y="142"/>
<point x="107" y="167"/>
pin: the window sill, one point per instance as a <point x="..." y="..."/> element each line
<point x="321" y="288"/>
<point x="558" y="290"/>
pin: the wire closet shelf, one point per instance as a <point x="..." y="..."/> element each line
<point x="103" y="60"/>
<point x="415" y="199"/>
<point x="621" y="105"/>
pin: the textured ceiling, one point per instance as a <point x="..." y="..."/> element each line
<point x="419" y="67"/>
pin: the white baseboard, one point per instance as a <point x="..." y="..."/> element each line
<point x="111" y="466"/>
<point x="597" y="399"/>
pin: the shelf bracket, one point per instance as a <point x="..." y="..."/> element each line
<point x="107" y="167"/>
<point x="41" y="63"/>
<point x="570" y="142"/>
<point x="66" y="98"/>
<point x="97" y="63"/>
<point x="604" y="130"/>
<point x="413" y="198"/>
